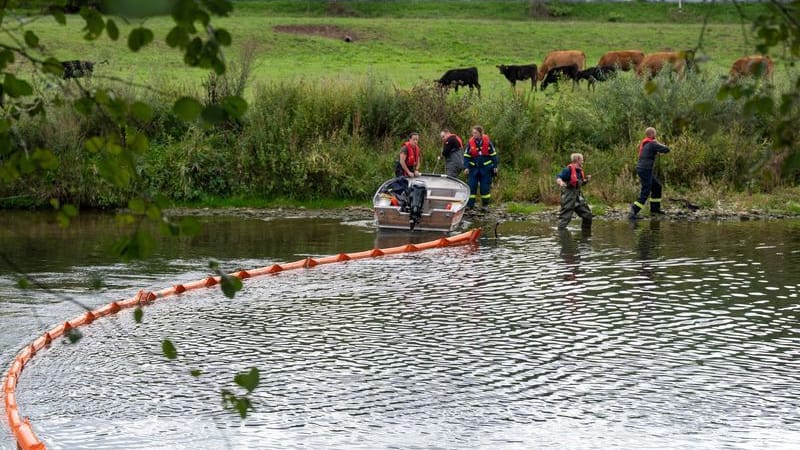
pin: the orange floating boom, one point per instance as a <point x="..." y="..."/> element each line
<point x="21" y="427"/>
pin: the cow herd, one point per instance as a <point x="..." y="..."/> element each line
<point x="570" y="64"/>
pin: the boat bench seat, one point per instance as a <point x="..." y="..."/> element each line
<point x="443" y="198"/>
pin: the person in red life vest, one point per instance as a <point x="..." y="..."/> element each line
<point x="480" y="166"/>
<point x="571" y="179"/>
<point x="649" y="148"/>
<point x="410" y="158"/>
<point x="452" y="152"/>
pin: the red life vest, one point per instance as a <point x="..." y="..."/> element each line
<point x="573" y="175"/>
<point x="460" y="142"/>
<point x="412" y="154"/>
<point x="473" y="147"/>
<point x="644" y="141"/>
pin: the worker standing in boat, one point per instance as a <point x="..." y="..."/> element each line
<point x="480" y="166"/>
<point x="571" y="179"/>
<point x="452" y="147"/>
<point x="410" y="158"/>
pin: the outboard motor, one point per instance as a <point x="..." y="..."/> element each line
<point x="416" y="201"/>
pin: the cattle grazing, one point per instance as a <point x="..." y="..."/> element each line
<point x="595" y="74"/>
<point x="460" y="77"/>
<point x="653" y="63"/>
<point x="519" y="73"/>
<point x="562" y="58"/>
<point x="750" y="66"/>
<point x="78" y="69"/>
<point x="560" y="72"/>
<point x="621" y="59"/>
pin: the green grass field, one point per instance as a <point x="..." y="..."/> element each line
<point x="407" y="51"/>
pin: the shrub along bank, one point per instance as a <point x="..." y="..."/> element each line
<point x="338" y="140"/>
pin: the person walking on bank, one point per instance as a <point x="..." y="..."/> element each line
<point x="649" y="148"/>
<point x="410" y="158"/>
<point x="480" y="166"/>
<point x="451" y="152"/>
<point x="571" y="179"/>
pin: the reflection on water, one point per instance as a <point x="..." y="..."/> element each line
<point x="652" y="335"/>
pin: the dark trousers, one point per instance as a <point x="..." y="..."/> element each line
<point x="651" y="187"/>
<point x="481" y="175"/>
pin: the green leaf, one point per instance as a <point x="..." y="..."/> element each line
<point x="223" y="37"/>
<point x="137" y="206"/>
<point x="45" y="158"/>
<point x="169" y="349"/>
<point x="248" y="380"/>
<point x="59" y="16"/>
<point x="73" y="335"/>
<point x="5" y="125"/>
<point x="31" y="40"/>
<point x="235" y="106"/>
<point x="70" y="210"/>
<point x="137" y="314"/>
<point x="137" y="142"/>
<point x="95" y="144"/>
<point x="195" y="372"/>
<point x="219" y="7"/>
<point x="94" y="23"/>
<point x="230" y="285"/>
<point x="141" y="111"/>
<point x="177" y="37"/>
<point x="23" y="283"/>
<point x="189" y="226"/>
<point x="6" y="58"/>
<point x="187" y="108"/>
<point x="55" y="203"/>
<point x="139" y="37"/>
<point x="112" y="30"/>
<point x="15" y="87"/>
<point x="703" y="107"/>
<point x="213" y="114"/>
<point x="650" y="87"/>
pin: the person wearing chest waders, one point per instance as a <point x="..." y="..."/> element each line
<point x="410" y="158"/>
<point x="649" y="148"/>
<point x="452" y="147"/>
<point x="480" y="166"/>
<point x="571" y="179"/>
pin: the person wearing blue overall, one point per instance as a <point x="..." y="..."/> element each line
<point x="649" y="148"/>
<point x="480" y="166"/>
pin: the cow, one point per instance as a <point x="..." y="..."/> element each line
<point x="621" y="59"/>
<point x="595" y="74"/>
<point x="556" y="73"/>
<point x="562" y="58"/>
<point x="520" y="73"/>
<point x="653" y="63"/>
<point x="748" y="66"/>
<point x="78" y="69"/>
<point x="460" y="77"/>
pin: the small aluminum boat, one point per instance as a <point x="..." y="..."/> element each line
<point x="428" y="202"/>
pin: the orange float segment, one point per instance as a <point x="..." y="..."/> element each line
<point x="26" y="439"/>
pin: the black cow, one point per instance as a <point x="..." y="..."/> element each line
<point x="595" y="74"/>
<point x="78" y="69"/>
<point x="556" y="73"/>
<point x="519" y="73"/>
<point x="460" y="77"/>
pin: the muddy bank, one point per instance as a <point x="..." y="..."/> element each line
<point x="496" y="214"/>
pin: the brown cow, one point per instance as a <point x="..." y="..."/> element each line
<point x="561" y="58"/>
<point x="748" y="66"/>
<point x="653" y="63"/>
<point x="621" y="59"/>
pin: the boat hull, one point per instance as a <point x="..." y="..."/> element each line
<point x="443" y="210"/>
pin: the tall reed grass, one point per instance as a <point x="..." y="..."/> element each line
<point x="308" y="141"/>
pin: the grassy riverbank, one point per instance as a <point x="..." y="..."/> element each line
<point x="327" y="117"/>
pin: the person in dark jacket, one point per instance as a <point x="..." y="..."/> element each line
<point x="480" y="165"/>
<point x="410" y="158"/>
<point x="571" y="179"/>
<point x="452" y="147"/>
<point x="649" y="148"/>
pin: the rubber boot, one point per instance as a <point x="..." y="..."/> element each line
<point x="634" y="212"/>
<point x="655" y="210"/>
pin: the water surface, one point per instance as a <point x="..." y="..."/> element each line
<point x="662" y="335"/>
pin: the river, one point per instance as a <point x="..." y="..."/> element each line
<point x="657" y="335"/>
